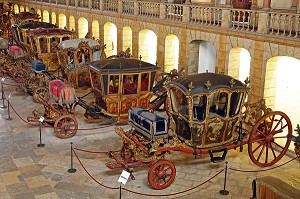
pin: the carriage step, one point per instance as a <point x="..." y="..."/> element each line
<point x="218" y="158"/>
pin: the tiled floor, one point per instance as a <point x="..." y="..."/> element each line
<point x="27" y="171"/>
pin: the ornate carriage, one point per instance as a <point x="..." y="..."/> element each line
<point x="43" y="41"/>
<point x="19" y="32"/>
<point x="74" y="55"/>
<point x="121" y="83"/>
<point x="25" y="16"/>
<point x="207" y="115"/>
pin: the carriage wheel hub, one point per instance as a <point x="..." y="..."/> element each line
<point x="270" y="138"/>
<point x="162" y="175"/>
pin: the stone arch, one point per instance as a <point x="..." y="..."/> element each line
<point x="72" y="23"/>
<point x="95" y="29"/>
<point x="110" y="38"/>
<point x="62" y="20"/>
<point x="46" y="17"/>
<point x="171" y="53"/>
<point x="127" y="38"/>
<point x="82" y="27"/>
<point x="53" y="18"/>
<point x="39" y="12"/>
<point x="16" y="9"/>
<point x="239" y="63"/>
<point x="148" y="46"/>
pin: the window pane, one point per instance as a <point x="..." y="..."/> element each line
<point x="199" y="107"/>
<point x="113" y="84"/>
<point x="218" y="105"/>
<point x="130" y="83"/>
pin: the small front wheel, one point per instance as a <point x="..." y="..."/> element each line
<point x="161" y="174"/>
<point x="65" y="126"/>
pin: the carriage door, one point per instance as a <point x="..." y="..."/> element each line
<point x="216" y="118"/>
<point x="180" y="113"/>
<point x="129" y="96"/>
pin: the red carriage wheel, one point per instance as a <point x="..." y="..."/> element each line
<point x="126" y="153"/>
<point x="42" y="91"/>
<point x="65" y="126"/>
<point x="161" y="174"/>
<point x="269" y="141"/>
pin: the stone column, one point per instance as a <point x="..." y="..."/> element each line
<point x="266" y="5"/>
<point x="298" y="7"/>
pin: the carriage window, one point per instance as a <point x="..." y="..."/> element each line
<point x="43" y="45"/>
<point x="130" y="83"/>
<point x="52" y="41"/>
<point x="145" y="82"/>
<point x="86" y="53"/>
<point x="218" y="105"/>
<point x="113" y="84"/>
<point x="179" y="102"/>
<point x="71" y="63"/>
<point x="235" y="103"/>
<point x="199" y="107"/>
<point x="96" y="79"/>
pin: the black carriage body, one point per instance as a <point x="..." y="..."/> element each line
<point x="122" y="83"/>
<point x="206" y="108"/>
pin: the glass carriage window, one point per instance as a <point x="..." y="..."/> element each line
<point x="235" y="103"/>
<point x="96" y="80"/>
<point x="145" y="82"/>
<point x="96" y="55"/>
<point x="199" y="107"/>
<point x="130" y="83"/>
<point x="113" y="84"/>
<point x="86" y="53"/>
<point x="43" y="45"/>
<point x="218" y="105"/>
<point x="179" y="102"/>
<point x="52" y="41"/>
<point x="71" y="63"/>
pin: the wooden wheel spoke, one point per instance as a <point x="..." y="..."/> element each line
<point x="261" y="152"/>
<point x="273" y="152"/>
<point x="266" y="129"/>
<point x="278" y="122"/>
<point x="168" y="168"/>
<point x="257" y="147"/>
<point x="261" y="133"/>
<point x="267" y="152"/>
<point x="278" y="145"/>
<point x="272" y="121"/>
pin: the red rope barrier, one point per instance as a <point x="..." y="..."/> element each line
<point x="100" y="152"/>
<point x="103" y="185"/>
<point x="264" y="169"/>
<point x="144" y="194"/>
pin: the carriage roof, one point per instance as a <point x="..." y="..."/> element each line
<point x="48" y="32"/>
<point x="73" y="43"/>
<point x="26" y="15"/>
<point x="34" y="25"/>
<point x="208" y="82"/>
<point x="121" y="65"/>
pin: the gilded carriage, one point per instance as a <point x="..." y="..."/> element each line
<point x="206" y="115"/>
<point x="25" y="16"/>
<point x="121" y="83"/>
<point x="43" y="41"/>
<point x="117" y="84"/>
<point x="74" y="55"/>
<point x="19" y="32"/>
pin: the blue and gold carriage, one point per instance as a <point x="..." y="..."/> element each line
<point x="207" y="115"/>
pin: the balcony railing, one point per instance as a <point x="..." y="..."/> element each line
<point x="260" y="21"/>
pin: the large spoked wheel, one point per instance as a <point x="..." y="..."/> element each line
<point x="269" y="141"/>
<point x="161" y="174"/>
<point x="41" y="91"/>
<point x="126" y="153"/>
<point x="65" y="126"/>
